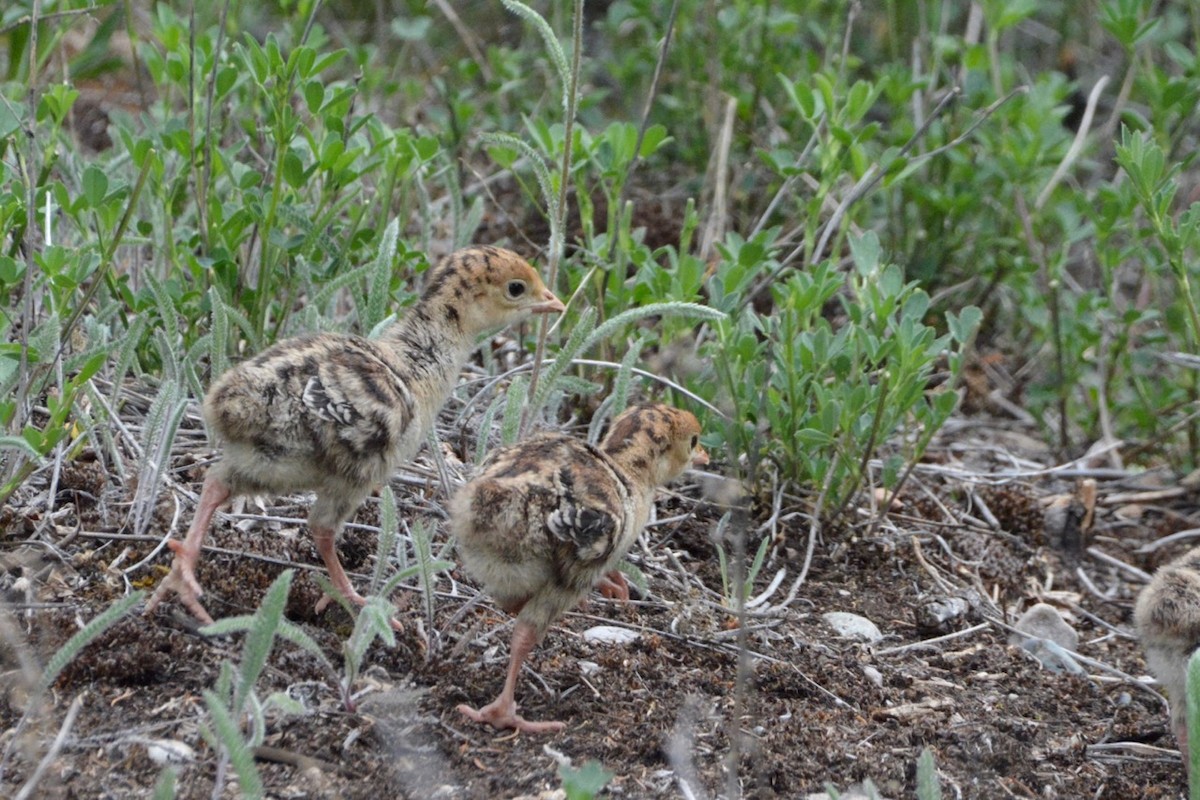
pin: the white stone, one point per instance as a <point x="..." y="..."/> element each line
<point x="1042" y="621"/>
<point x="873" y="675"/>
<point x="169" y="751"/>
<point x="852" y="626"/>
<point x="610" y="634"/>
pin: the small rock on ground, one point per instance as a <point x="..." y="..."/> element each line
<point x="852" y="626"/>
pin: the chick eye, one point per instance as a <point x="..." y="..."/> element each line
<point x="695" y="441"/>
<point x="516" y="289"/>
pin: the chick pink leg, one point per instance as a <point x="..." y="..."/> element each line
<point x="614" y="586"/>
<point x="502" y="712"/>
<point x="324" y="539"/>
<point x="182" y="578"/>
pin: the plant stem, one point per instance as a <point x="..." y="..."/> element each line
<point x="21" y="410"/>
<point x="558" y="222"/>
<point x="205" y="177"/>
<point x="645" y="121"/>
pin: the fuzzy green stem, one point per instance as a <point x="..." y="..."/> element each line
<point x="557" y="225"/>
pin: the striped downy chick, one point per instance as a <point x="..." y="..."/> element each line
<point x="547" y="520"/>
<point x="1167" y="617"/>
<point x="336" y="414"/>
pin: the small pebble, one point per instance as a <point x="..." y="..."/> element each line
<point x="1043" y="621"/>
<point x="856" y="792"/>
<point x="936" y="613"/>
<point x="873" y="675"/>
<point x="852" y="626"/>
<point x="169" y="751"/>
<point x="610" y="634"/>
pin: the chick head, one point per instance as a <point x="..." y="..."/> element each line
<point x="485" y="288"/>
<point x="657" y="441"/>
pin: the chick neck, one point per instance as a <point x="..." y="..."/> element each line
<point x="431" y="347"/>
<point x="635" y="458"/>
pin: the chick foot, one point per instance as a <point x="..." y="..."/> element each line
<point x="182" y="581"/>
<point x="324" y="540"/>
<point x="182" y="577"/>
<point x="614" y="586"/>
<point x="501" y="714"/>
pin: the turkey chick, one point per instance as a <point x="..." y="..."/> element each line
<point x="548" y="519"/>
<point x="336" y="414"/>
<point x="1167" y="617"/>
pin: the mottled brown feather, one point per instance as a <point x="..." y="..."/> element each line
<point x="545" y="519"/>
<point x="548" y="519"/>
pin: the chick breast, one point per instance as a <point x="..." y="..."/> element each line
<point x="543" y="521"/>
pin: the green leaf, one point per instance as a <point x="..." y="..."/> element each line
<point x="90" y="367"/>
<point x="812" y="437"/>
<point x="9" y="124"/>
<point x="1193" y="720"/>
<point x="21" y="444"/>
<point x="11" y="270"/>
<point x="164" y="787"/>
<point x="515" y="400"/>
<point x="229" y="736"/>
<point x="95" y="186"/>
<point x="802" y="97"/>
<point x="327" y="60"/>
<point x="379" y="291"/>
<point x="293" y="170"/>
<point x="90" y="632"/>
<point x="314" y="95"/>
<point x="411" y="30"/>
<point x="866" y="252"/>
<point x="226" y="78"/>
<point x="261" y="637"/>
<point x="553" y="47"/>
<point x="859" y="100"/>
<point x="540" y="170"/>
<point x="1002" y="14"/>
<point x="427" y="147"/>
<point x="583" y="783"/>
<point x="964" y="324"/>
<point x="36" y="439"/>
<point x="654" y="138"/>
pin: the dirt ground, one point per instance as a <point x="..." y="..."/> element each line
<point x="984" y="520"/>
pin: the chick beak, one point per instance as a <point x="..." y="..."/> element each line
<point x="550" y="304"/>
<point x="699" y="457"/>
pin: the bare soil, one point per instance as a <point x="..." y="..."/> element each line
<point x="982" y="520"/>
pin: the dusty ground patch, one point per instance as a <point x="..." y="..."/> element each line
<point x="662" y="710"/>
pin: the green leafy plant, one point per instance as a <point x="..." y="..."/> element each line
<point x="928" y="785"/>
<point x="733" y="592"/>
<point x="840" y="393"/>
<point x="235" y="696"/>
<point x="374" y="621"/>
<point x="584" y="336"/>
<point x="583" y="783"/>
